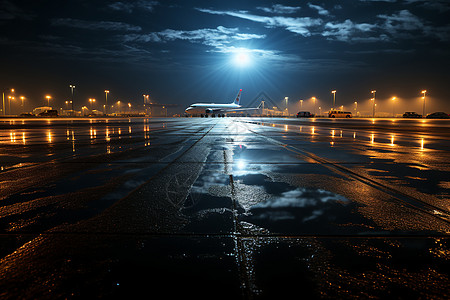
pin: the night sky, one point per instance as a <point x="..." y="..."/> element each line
<point x="183" y="52"/>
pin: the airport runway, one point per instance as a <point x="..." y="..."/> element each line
<point x="252" y="208"/>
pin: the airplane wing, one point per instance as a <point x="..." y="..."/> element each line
<point x="229" y="110"/>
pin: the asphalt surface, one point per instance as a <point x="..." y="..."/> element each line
<point x="251" y="208"/>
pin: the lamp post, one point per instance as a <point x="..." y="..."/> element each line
<point x="48" y="100"/>
<point x="106" y="101"/>
<point x="393" y="103"/>
<point x="22" y="98"/>
<point x="4" y="105"/>
<point x="72" y="87"/>
<point x="334" y="97"/>
<point x="373" y="108"/>
<point x="9" y="104"/>
<point x="91" y="100"/>
<point x="9" y="101"/>
<point x="356" y="107"/>
<point x="301" y="104"/>
<point x="286" y="100"/>
<point x="423" y="111"/>
<point x="314" y="101"/>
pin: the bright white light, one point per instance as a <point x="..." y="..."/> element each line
<point x="242" y="59"/>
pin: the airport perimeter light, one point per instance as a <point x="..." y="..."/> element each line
<point x="423" y="111"/>
<point x="393" y="103"/>
<point x="72" y="87"/>
<point x="91" y="100"/>
<point x="106" y="100"/>
<point x="314" y="101"/>
<point x="373" y="99"/>
<point x="3" y="105"/>
<point x="334" y="97"/>
<point x="22" y="98"/>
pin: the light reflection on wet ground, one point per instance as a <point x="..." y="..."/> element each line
<point x="251" y="208"/>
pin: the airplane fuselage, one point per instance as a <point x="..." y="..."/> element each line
<point x="204" y="108"/>
<point x="214" y="108"/>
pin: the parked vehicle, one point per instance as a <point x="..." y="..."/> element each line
<point x="411" y="114"/>
<point x="438" y="115"/>
<point x="49" y="113"/>
<point x="304" y="114"/>
<point x="339" y="114"/>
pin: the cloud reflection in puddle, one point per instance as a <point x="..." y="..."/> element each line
<point x="313" y="204"/>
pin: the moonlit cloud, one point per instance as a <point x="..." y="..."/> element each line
<point x="208" y="36"/>
<point x="300" y="25"/>
<point x="348" y="31"/>
<point x="322" y="11"/>
<point x="280" y="9"/>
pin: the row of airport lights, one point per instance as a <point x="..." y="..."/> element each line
<point x="10" y="97"/>
<point x="92" y="101"/>
<point x="48" y="97"/>
<point x="356" y="103"/>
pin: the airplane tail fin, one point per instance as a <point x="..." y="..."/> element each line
<point x="238" y="98"/>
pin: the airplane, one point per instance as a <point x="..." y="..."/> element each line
<point x="214" y="108"/>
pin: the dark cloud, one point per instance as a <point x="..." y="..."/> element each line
<point x="130" y="6"/>
<point x="441" y="6"/>
<point x="10" y="11"/>
<point x="95" y="25"/>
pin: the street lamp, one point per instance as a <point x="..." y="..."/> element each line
<point x="287" y="110"/>
<point x="356" y="107"/>
<point x="3" y="106"/>
<point x="22" y="98"/>
<point x="373" y="108"/>
<point x="9" y="103"/>
<point x="423" y="111"/>
<point x="48" y="100"/>
<point x="91" y="100"/>
<point x="106" y="100"/>
<point x="301" y="104"/>
<point x="334" y="97"/>
<point x="393" y="102"/>
<point x="72" y="87"/>
<point x="314" y="101"/>
<point x="118" y="104"/>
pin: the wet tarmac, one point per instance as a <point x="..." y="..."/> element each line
<point x="240" y="208"/>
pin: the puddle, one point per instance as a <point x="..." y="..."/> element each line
<point x="276" y="207"/>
